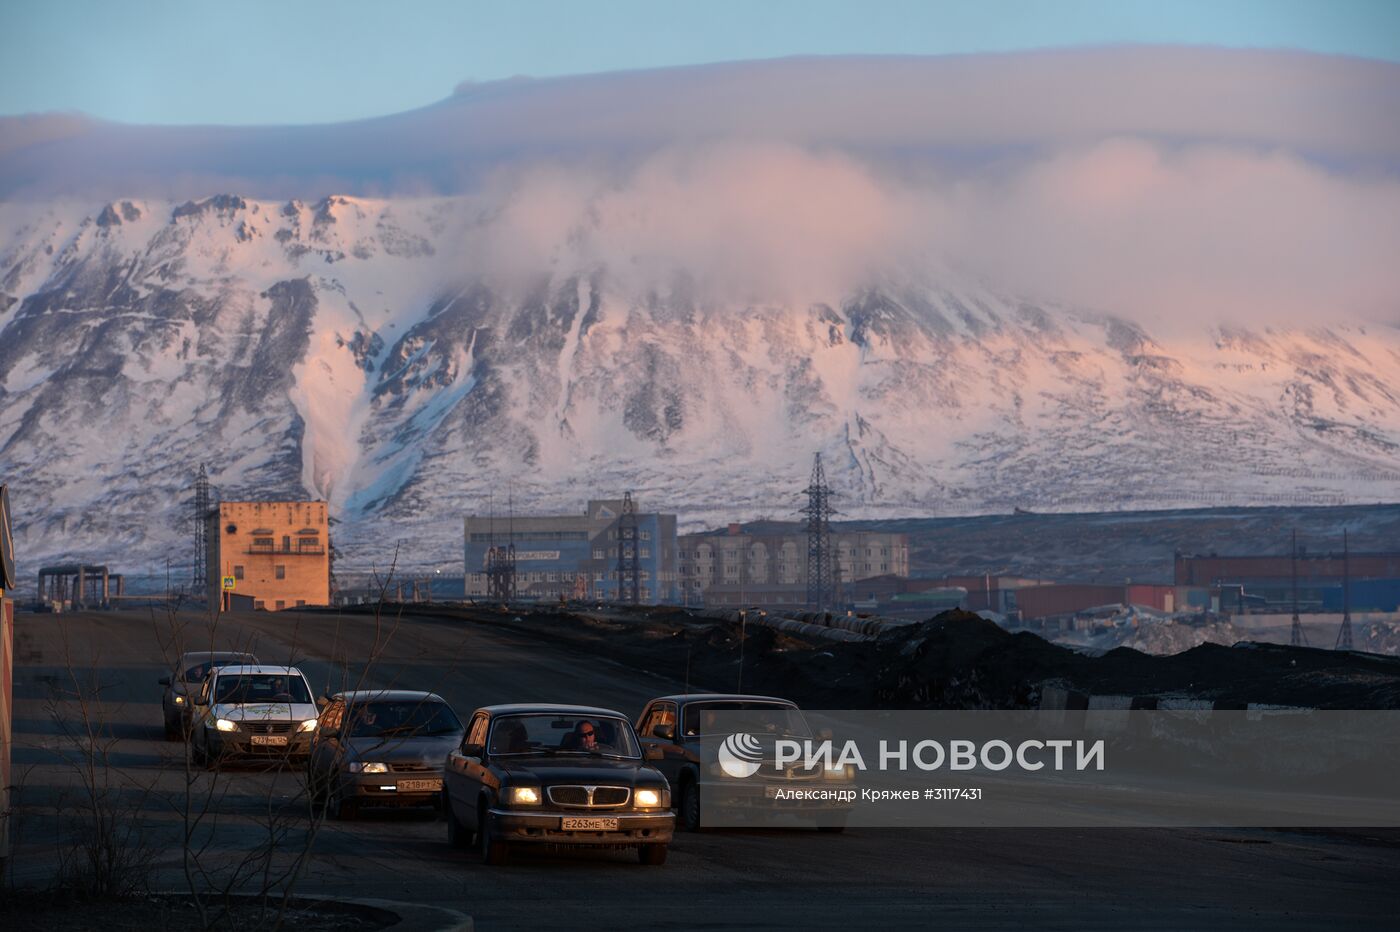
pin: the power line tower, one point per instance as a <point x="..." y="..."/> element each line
<point x="199" y="581"/>
<point x="1298" y="638"/>
<point x="629" y="568"/>
<point x="500" y="562"/>
<point x="1344" y="633"/>
<point x="820" y="577"/>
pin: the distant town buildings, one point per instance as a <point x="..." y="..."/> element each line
<point x="274" y="555"/>
<point x="1240" y="584"/>
<point x="737" y="568"/>
<point x="574" y="556"/>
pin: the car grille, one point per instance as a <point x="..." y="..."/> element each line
<point x="791" y="772"/>
<point x="589" y="797"/>
<point x="411" y="766"/>
<point x="267" y="728"/>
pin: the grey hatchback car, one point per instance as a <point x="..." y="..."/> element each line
<point x="380" y="748"/>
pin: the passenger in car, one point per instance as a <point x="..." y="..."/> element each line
<point x="512" y="738"/>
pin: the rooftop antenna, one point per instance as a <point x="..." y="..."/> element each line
<point x="1298" y="638"/>
<point x="1344" y="633"/>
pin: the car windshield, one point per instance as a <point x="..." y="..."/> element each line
<point x="200" y="670"/>
<point x="405" y="718"/>
<point x="242" y="688"/>
<point x="775" y="717"/>
<point x="562" y="733"/>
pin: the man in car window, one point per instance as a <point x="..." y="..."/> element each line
<point x="584" y="737"/>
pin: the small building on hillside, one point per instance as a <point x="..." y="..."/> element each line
<point x="275" y="555"/>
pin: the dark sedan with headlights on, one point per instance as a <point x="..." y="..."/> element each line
<point x="380" y="748"/>
<point x="673" y="727"/>
<point x="531" y="774"/>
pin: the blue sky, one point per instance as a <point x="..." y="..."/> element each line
<point x="198" y="61"/>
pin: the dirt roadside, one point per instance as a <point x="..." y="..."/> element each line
<point x="955" y="660"/>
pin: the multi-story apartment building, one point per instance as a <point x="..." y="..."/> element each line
<point x="734" y="567"/>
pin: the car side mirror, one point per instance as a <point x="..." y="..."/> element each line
<point x="164" y="681"/>
<point x="664" y="732"/>
<point x="652" y="753"/>
<point x="473" y="750"/>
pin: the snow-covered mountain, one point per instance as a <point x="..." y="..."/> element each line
<point x="1082" y="280"/>
<point x="313" y="350"/>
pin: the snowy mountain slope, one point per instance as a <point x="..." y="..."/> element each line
<point x="336" y="349"/>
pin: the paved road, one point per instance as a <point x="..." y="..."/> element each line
<point x="963" y="878"/>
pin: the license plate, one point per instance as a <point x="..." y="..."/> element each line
<point x="420" y="786"/>
<point x="589" y="825"/>
<point x="271" y="740"/>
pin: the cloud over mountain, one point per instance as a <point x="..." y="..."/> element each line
<point x="1118" y="276"/>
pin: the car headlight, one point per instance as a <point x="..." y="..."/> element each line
<point x="524" y="796"/>
<point x="650" y="798"/>
<point x="370" y="767"/>
<point x="844" y="772"/>
<point x="308" y="725"/>
<point x="224" y="724"/>
<point x="179" y="700"/>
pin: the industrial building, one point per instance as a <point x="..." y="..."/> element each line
<point x="78" y="586"/>
<point x="268" y="555"/>
<point x="1266" y="584"/>
<point x="1069" y="598"/>
<point x="732" y="567"/>
<point x="574" y="556"/>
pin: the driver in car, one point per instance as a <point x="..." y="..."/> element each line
<point x="584" y="737"/>
<point x="587" y="736"/>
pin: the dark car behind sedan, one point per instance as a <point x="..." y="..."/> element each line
<point x="183" y="684"/>
<point x="673" y="727"/>
<point x="554" y="775"/>
<point x="381" y="748"/>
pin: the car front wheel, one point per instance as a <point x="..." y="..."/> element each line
<point x="344" y="808"/>
<point x="457" y="834"/>
<point x="494" y="851"/>
<point x="690" y="806"/>
<point x="199" y="752"/>
<point x="316" y="789"/>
